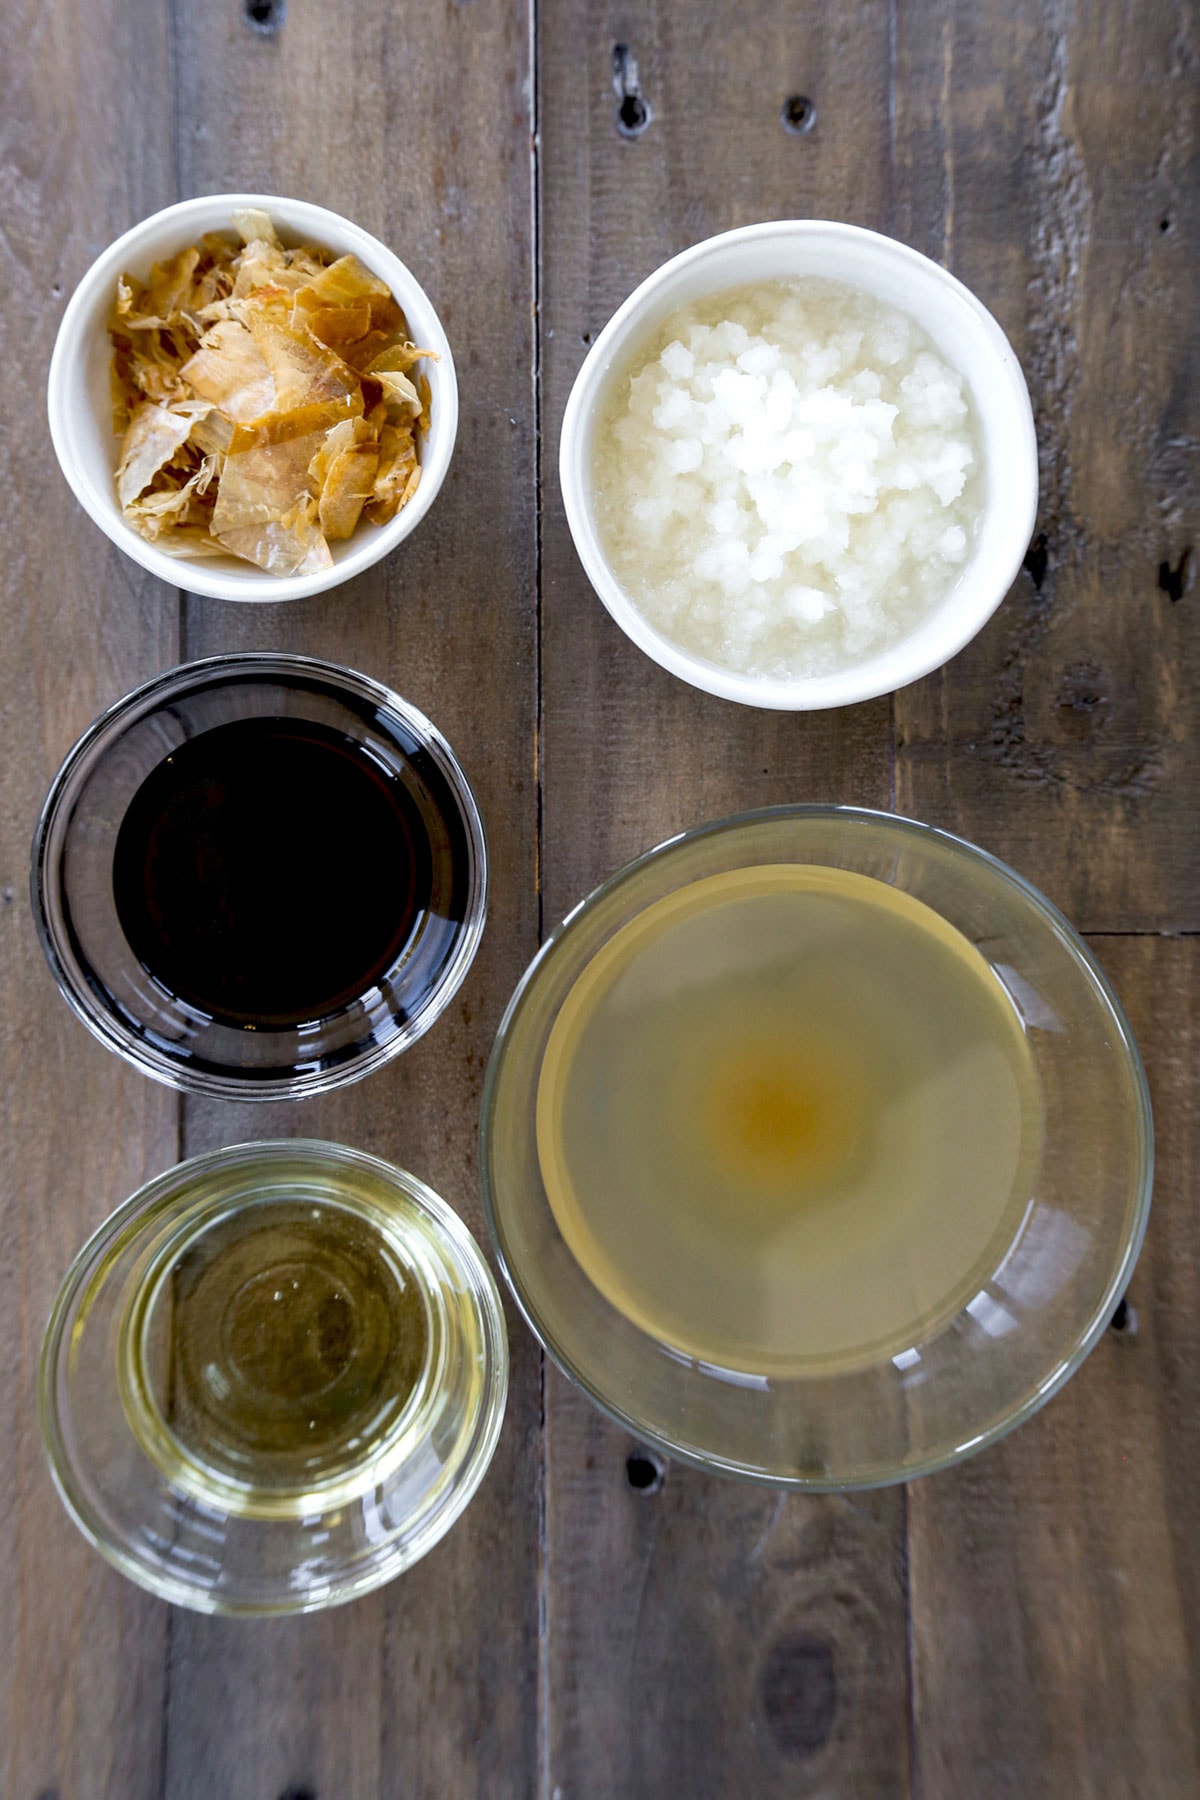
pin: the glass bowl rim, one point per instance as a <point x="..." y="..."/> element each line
<point x="486" y="1427"/>
<point x="230" y="1085"/>
<point x="1126" y="1046"/>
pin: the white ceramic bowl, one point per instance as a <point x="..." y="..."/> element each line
<point x="81" y="411"/>
<point x="963" y="330"/>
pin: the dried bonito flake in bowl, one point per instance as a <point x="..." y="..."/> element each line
<point x="267" y="399"/>
<point x="289" y="335"/>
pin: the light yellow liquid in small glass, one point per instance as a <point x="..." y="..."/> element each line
<point x="786" y="1115"/>
<point x="274" y="1358"/>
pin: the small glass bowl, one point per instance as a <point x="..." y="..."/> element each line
<point x="169" y="1408"/>
<point x="1004" y="1350"/>
<point x="121" y="1002"/>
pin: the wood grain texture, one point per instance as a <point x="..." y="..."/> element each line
<point x="708" y="1638"/>
<point x="1048" y="155"/>
<point x="380" y="112"/>
<point x="630" y="753"/>
<point x="80" y="1649"/>
<point x="702" y="1639"/>
<point x="1024" y="1626"/>
<point x="1056" y="1579"/>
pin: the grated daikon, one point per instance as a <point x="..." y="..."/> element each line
<point x="789" y="479"/>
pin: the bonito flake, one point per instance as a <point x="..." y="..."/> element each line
<point x="267" y="400"/>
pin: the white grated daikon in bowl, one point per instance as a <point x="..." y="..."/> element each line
<point x="789" y="478"/>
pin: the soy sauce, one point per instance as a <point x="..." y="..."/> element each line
<point x="271" y="870"/>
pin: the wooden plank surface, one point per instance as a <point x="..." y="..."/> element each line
<point x="703" y="1639"/>
<point x="1056" y="1580"/>
<point x="1026" y="1625"/>
<point x="1047" y="153"/>
<point x="378" y="111"/>
<point x="81" y="1651"/>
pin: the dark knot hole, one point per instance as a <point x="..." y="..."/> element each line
<point x="798" y="114"/>
<point x="265" y="15"/>
<point x="633" y="109"/>
<point x="633" y="115"/>
<point x="644" y="1471"/>
<point x="1173" y="578"/>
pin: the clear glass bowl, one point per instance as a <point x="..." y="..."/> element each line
<point x="207" y="1326"/>
<point x="1035" y="1315"/>
<point x="121" y="1002"/>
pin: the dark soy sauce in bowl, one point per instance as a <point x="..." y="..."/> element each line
<point x="271" y="871"/>
<point x="260" y="876"/>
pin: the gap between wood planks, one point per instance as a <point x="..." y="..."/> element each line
<point x="542" y="1739"/>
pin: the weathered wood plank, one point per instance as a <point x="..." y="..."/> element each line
<point x="631" y="754"/>
<point x="704" y="1639"/>
<point x="81" y="1651"/>
<point x="1056" y="1579"/>
<point x="1044" y="155"/>
<point x="1048" y="155"/>
<point x="709" y="1638"/>
<point x="379" y="111"/>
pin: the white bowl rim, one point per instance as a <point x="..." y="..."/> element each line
<point x="196" y="576"/>
<point x="892" y="668"/>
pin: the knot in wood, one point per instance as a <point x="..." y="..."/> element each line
<point x="799" y="1693"/>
